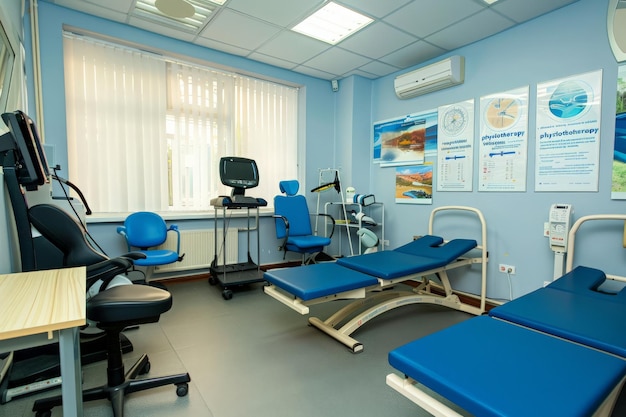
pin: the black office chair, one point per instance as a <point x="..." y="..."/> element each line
<point x="112" y="309"/>
<point x="30" y="367"/>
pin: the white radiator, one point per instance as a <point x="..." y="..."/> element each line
<point x="199" y="249"/>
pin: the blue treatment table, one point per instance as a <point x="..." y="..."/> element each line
<point x="363" y="278"/>
<point x="493" y="368"/>
<point x="559" y="350"/>
<point x="571" y="308"/>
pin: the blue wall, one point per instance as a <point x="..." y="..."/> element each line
<point x="337" y="133"/>
<point x="569" y="41"/>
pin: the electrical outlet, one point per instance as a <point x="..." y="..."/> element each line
<point x="386" y="243"/>
<point x="506" y="269"/>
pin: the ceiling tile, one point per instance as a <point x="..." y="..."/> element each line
<point x="379" y="68"/>
<point x="220" y="46"/>
<point x="529" y="9"/>
<point x="413" y="54"/>
<point x="336" y="61"/>
<point x="278" y="12"/>
<point x="277" y="62"/>
<point x="376" y="40"/>
<point x="254" y="35"/>
<point x="315" y="72"/>
<point x="164" y="30"/>
<point x="118" y="13"/>
<point x="293" y="47"/>
<point x="472" y="29"/>
<point x="424" y="17"/>
<point x="374" y="8"/>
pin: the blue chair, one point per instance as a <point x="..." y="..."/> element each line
<point x="293" y="224"/>
<point x="145" y="231"/>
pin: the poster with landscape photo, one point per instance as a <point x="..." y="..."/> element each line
<point x="405" y="140"/>
<point x="414" y="184"/>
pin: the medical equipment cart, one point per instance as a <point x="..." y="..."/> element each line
<point x="240" y="273"/>
<point x="358" y="216"/>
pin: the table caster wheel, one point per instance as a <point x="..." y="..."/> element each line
<point x="182" y="389"/>
<point x="227" y="294"/>
<point x="145" y="369"/>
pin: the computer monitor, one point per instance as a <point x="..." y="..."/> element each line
<point x="238" y="173"/>
<point x="32" y="167"/>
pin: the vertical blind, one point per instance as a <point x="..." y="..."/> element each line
<point x="146" y="133"/>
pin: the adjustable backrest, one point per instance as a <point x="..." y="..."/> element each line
<point x="65" y="233"/>
<point x="145" y="229"/>
<point x="294" y="208"/>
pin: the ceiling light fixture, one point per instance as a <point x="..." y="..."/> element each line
<point x="179" y="9"/>
<point x="148" y="10"/>
<point x="490" y="1"/>
<point x="332" y="23"/>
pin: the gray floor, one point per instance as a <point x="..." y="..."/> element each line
<point x="252" y="356"/>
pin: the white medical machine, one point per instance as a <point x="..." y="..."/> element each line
<point x="560" y="222"/>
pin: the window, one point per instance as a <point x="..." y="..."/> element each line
<point x="147" y="133"/>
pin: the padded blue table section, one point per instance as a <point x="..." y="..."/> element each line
<point x="319" y="280"/>
<point x="423" y="254"/>
<point x="493" y="368"/>
<point x="585" y="281"/>
<point x="577" y="313"/>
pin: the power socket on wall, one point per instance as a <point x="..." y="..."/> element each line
<point x="506" y="269"/>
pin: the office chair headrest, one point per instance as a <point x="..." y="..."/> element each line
<point x="289" y="187"/>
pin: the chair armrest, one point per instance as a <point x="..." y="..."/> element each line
<point x="332" y="220"/>
<point x="121" y="230"/>
<point x="174" y="228"/>
<point x="278" y="217"/>
<point x="109" y="268"/>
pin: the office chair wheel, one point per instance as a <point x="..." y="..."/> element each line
<point x="43" y="413"/>
<point x="227" y="294"/>
<point x="182" y="389"/>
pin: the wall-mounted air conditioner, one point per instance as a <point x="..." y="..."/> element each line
<point x="433" y="77"/>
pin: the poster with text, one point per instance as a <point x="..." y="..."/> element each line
<point x="503" y="150"/>
<point x="455" y="147"/>
<point x="618" y="183"/>
<point x="414" y="184"/>
<point x="568" y="133"/>
<point x="405" y="140"/>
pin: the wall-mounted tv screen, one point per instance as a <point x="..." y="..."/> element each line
<point x="30" y="159"/>
<point x="238" y="173"/>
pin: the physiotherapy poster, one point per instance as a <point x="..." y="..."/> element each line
<point x="455" y="147"/>
<point x="568" y="133"/>
<point x="503" y="147"/>
<point x="405" y="140"/>
<point x="618" y="183"/>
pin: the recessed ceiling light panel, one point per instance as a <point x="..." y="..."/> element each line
<point x="332" y="23"/>
<point x="156" y="11"/>
<point x="175" y="8"/>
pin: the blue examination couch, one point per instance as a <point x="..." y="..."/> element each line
<point x="557" y="351"/>
<point x="364" y="277"/>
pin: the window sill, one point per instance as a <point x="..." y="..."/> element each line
<point x="182" y="215"/>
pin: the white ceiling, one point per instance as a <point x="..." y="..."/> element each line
<point x="404" y="33"/>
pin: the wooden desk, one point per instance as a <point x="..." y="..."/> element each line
<point x="37" y="307"/>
